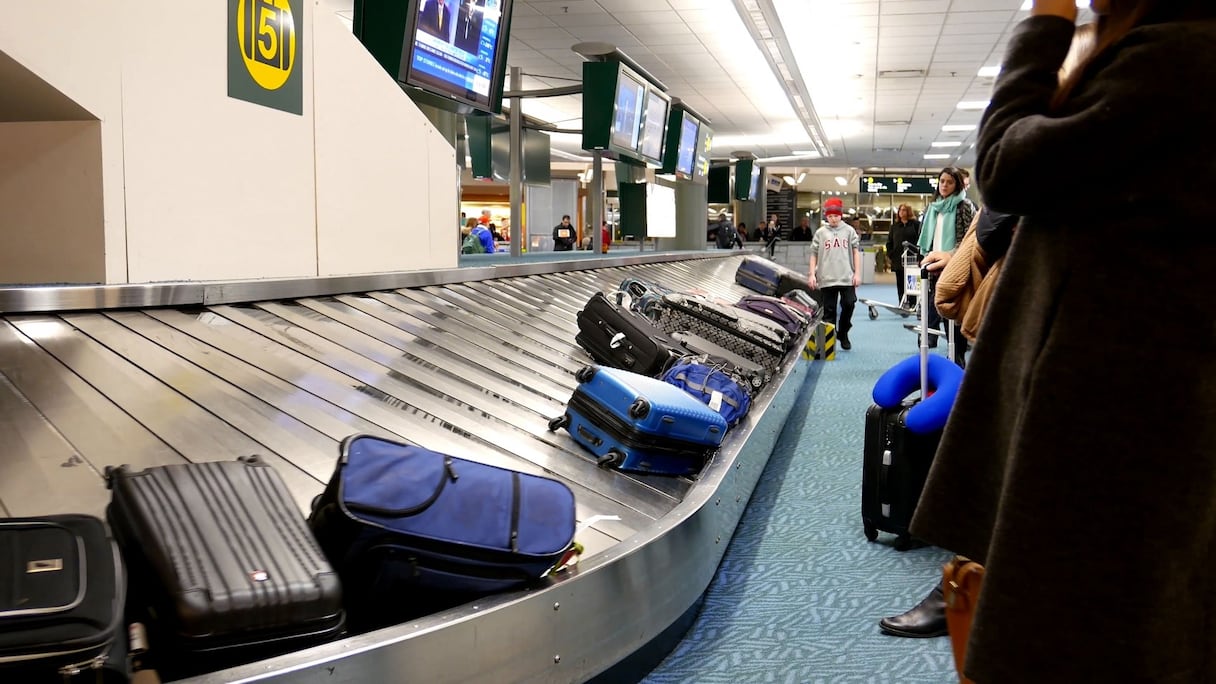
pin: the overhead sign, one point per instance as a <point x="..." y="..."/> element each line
<point x="904" y="185"/>
<point x="266" y="53"/>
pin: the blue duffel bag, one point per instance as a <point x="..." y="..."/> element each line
<point x="713" y="387"/>
<point x="399" y="522"/>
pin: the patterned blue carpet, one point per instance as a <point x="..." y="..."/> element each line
<point x="800" y="590"/>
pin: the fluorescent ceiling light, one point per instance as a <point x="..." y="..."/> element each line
<point x="937" y="156"/>
<point x="989" y="71"/>
<point x="794" y="181"/>
<point x="973" y="104"/>
<point x="947" y="143"/>
<point x="958" y="128"/>
<point x="841" y="180"/>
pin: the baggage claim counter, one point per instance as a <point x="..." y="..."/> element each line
<point x="471" y="362"/>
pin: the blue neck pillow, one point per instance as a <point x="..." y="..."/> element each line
<point x="928" y="415"/>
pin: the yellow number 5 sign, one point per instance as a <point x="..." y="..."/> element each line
<point x="265" y="50"/>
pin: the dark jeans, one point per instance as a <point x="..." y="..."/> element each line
<point x="899" y="282"/>
<point x="847" y="295"/>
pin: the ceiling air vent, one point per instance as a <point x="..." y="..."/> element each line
<point x="901" y="73"/>
<point x="894" y="122"/>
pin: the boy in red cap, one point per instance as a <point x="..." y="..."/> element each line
<point x="836" y="268"/>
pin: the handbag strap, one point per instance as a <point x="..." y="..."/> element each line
<point x="682" y="376"/>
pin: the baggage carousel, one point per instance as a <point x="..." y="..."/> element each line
<point x="470" y="361"/>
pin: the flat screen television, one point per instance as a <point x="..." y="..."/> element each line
<point x="718" y="191"/>
<point x="686" y="152"/>
<point x="626" y="131"/>
<point x="457" y="50"/>
<point x="705" y="140"/>
<point x="654" y="127"/>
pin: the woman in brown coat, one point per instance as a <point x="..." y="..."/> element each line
<point x="1079" y="464"/>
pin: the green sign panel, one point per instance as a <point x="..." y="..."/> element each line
<point x="903" y="185"/>
<point x="266" y="53"/>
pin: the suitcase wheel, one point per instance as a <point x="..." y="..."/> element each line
<point x="871" y="533"/>
<point x="903" y="542"/>
<point x="639" y="409"/>
<point x="559" y="422"/>
<point x="873" y="313"/>
<point x="611" y="459"/>
<point x="585" y="374"/>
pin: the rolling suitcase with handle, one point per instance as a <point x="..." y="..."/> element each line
<point x="635" y="423"/>
<point x="726" y="326"/>
<point x="901" y="438"/>
<point x="617" y="337"/>
<point x="61" y="618"/>
<point x="759" y="275"/>
<point x="222" y="562"/>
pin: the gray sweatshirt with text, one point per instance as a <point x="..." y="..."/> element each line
<point x="834" y="248"/>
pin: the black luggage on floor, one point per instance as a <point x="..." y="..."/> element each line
<point x="618" y="338"/>
<point x="61" y="612"/>
<point x="895" y="465"/>
<point x="222" y="561"/>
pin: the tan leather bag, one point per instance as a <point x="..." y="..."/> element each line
<point x="961" y="580"/>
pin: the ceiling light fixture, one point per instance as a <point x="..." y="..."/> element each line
<point x="946" y="143"/>
<point x="958" y="128"/>
<point x="989" y="71"/>
<point x="973" y="105"/>
<point x="794" y="182"/>
<point x="1081" y="4"/>
<point x="764" y="25"/>
<point x="842" y="181"/>
<point x="937" y="156"/>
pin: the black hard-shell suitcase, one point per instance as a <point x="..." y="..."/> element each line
<point x="759" y="275"/>
<point x="764" y="342"/>
<point x="619" y="338"/>
<point x="749" y="373"/>
<point x="61" y="608"/>
<point x="791" y="281"/>
<point x="895" y="465"/>
<point x="222" y="561"/>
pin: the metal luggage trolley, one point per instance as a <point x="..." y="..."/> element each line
<point x="912" y="284"/>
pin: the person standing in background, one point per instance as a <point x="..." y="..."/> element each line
<point x="605" y="237"/>
<point x="946" y="222"/>
<point x="836" y="269"/>
<point x="905" y="228"/>
<point x="563" y="235"/>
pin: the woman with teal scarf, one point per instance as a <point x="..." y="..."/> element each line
<point x="946" y="222"/>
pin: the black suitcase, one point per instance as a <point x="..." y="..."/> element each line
<point x="791" y="281"/>
<point x="895" y="465"/>
<point x="764" y="342"/>
<point x="749" y="373"/>
<point x="618" y="338"/>
<point x="61" y="610"/>
<point x="221" y="562"/>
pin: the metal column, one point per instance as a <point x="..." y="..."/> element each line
<point x="517" y="163"/>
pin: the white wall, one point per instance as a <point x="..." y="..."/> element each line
<point x="218" y="188"/>
<point x="74" y="46"/>
<point x="50" y="202"/>
<point x="374" y="178"/>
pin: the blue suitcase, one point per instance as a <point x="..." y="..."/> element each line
<point x="640" y="424"/>
<point x="759" y="275"/>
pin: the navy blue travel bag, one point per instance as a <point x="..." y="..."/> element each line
<point x="399" y="521"/>
<point x="713" y="387"/>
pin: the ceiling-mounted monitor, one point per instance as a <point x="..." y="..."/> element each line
<point x="447" y="53"/>
<point x="705" y="142"/>
<point x="624" y="114"/>
<point x="654" y="127"/>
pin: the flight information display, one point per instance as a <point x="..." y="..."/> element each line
<point x="456" y="49"/>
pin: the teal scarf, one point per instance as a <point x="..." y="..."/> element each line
<point x="945" y="208"/>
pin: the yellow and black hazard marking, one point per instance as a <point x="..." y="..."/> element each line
<point x="821" y="345"/>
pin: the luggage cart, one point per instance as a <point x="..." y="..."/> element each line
<point x="912" y="283"/>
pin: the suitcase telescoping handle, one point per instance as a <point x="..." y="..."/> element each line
<point x="925" y="302"/>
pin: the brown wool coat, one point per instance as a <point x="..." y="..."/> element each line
<point x="1079" y="464"/>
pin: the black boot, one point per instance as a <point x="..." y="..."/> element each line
<point x="927" y="619"/>
<point x="843" y="338"/>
